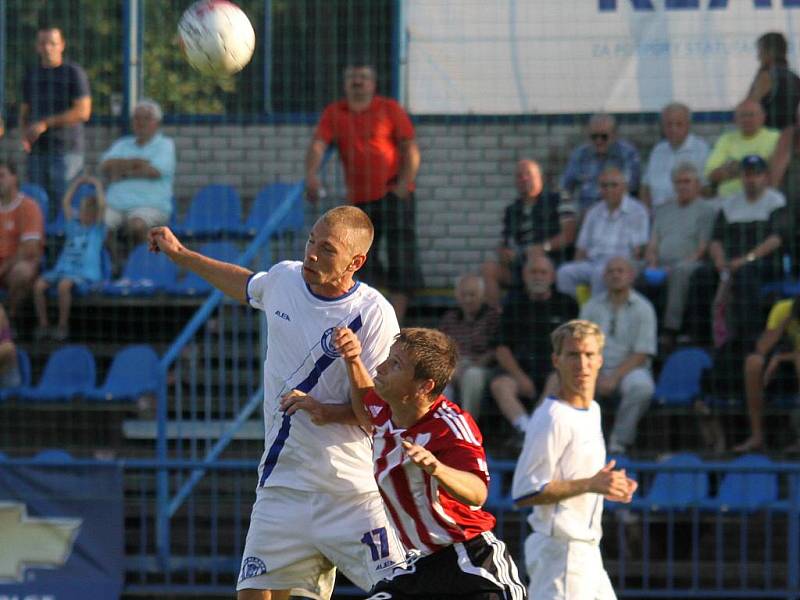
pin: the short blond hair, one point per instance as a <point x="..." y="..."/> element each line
<point x="355" y="226"/>
<point x="577" y="329"/>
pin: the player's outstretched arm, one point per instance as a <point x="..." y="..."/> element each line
<point x="361" y="383"/>
<point x="464" y="486"/>
<point x="614" y="485"/>
<point x="226" y="277"/>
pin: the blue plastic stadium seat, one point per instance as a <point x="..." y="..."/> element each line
<point x="194" y="285"/>
<point x="679" y="380"/>
<point x="268" y="200"/>
<point x="215" y="211"/>
<point x="38" y="193"/>
<point x="499" y="496"/>
<point x="134" y="372"/>
<point x="3" y="456"/>
<point x="52" y="455"/>
<point x="675" y="490"/>
<point x="745" y="492"/>
<point x="69" y="372"/>
<point x="145" y="273"/>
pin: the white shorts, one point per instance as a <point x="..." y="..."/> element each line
<point x="562" y="569"/>
<point x="296" y="539"/>
<point x="151" y="216"/>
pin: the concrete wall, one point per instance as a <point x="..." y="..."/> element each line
<point x="465" y="180"/>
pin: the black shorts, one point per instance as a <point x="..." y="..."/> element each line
<point x="478" y="569"/>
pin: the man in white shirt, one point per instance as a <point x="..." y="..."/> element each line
<point x="618" y="225"/>
<point x="317" y="504"/>
<point x="678" y="146"/>
<point x="562" y="473"/>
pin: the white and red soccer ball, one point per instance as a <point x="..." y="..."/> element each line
<point x="217" y="37"/>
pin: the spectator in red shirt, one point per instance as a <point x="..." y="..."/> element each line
<point x="21" y="238"/>
<point x="380" y="157"/>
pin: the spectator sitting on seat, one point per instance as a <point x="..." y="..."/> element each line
<point x="21" y="238"/>
<point x="681" y="230"/>
<point x="678" y="146"/>
<point x="523" y="348"/>
<point x="473" y="326"/>
<point x="79" y="262"/>
<point x="722" y="170"/>
<point x="776" y="87"/>
<point x="617" y="226"/>
<point x="140" y="169"/>
<point x="9" y="367"/>
<point x="748" y="231"/>
<point x="764" y="368"/>
<point x="587" y="162"/>
<point x="628" y="321"/>
<point x="537" y="222"/>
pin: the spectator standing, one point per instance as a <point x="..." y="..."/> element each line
<point x="764" y="366"/>
<point x="617" y="226"/>
<point x="522" y="352"/>
<point x="80" y="262"/>
<point x="21" y="238"/>
<point x="379" y="154"/>
<point x="681" y="231"/>
<point x="473" y="326"/>
<point x="751" y="137"/>
<point x="776" y="87"/>
<point x="56" y="102"/>
<point x="678" y="146"/>
<point x="538" y="222"/>
<point x="604" y="149"/>
<point x="140" y="169"/>
<point x="628" y="322"/>
<point x="784" y="169"/>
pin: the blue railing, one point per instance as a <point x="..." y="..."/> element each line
<point x="650" y="551"/>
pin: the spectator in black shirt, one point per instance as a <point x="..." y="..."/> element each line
<point x="775" y="86"/>
<point x="56" y="102"/>
<point x="537" y="223"/>
<point x="523" y="346"/>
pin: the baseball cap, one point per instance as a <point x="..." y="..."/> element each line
<point x="753" y="162"/>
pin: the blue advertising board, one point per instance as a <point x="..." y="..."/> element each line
<point x="61" y="532"/>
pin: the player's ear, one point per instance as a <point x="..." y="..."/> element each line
<point x="358" y="262"/>
<point x="426" y="386"/>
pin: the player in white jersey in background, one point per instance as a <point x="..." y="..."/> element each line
<point x="562" y="473"/>
<point x="317" y="504"/>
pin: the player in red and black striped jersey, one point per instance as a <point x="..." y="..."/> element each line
<point x="431" y="471"/>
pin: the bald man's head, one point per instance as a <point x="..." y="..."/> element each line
<point x="352" y="225"/>
<point x="749" y="117"/>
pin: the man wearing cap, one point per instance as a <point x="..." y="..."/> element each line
<point x="747" y="233"/>
<point x="749" y="137"/>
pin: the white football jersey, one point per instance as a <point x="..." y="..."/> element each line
<point x="562" y="443"/>
<point x="299" y="455"/>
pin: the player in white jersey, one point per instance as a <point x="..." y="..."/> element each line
<point x="317" y="504"/>
<point x="562" y="473"/>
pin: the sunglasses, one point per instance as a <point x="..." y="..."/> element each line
<point x="599" y="136"/>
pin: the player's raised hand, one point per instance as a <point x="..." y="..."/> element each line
<point x="297" y="400"/>
<point x="346" y="343"/>
<point x="421" y="457"/>
<point x="161" y="239"/>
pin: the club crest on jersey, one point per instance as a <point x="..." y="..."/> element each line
<point x="327" y="343"/>
<point x="252" y="566"/>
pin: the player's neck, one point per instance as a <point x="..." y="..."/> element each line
<point x="407" y="415"/>
<point x="577" y="399"/>
<point x="333" y="289"/>
<point x="9" y="197"/>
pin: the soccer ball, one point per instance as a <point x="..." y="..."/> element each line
<point x="217" y="37"/>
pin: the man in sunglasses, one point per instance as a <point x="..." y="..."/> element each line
<point x="589" y="160"/>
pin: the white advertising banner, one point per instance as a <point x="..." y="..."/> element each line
<point x="568" y="56"/>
